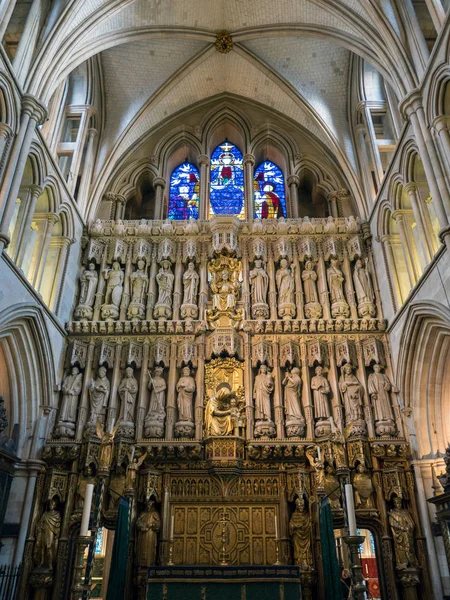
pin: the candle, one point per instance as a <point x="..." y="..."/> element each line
<point x="351" y="514"/>
<point x="333" y="426"/>
<point x="172" y="525"/>
<point x="86" y="509"/>
<point x="276" y="527"/>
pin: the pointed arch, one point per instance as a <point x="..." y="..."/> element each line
<point x="227" y="181"/>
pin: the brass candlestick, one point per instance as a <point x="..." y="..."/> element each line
<point x="277" y="552"/>
<point x="358" y="582"/>
<point x="170" y="563"/>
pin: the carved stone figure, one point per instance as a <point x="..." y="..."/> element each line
<point x="313" y="308"/>
<point x="259" y="282"/>
<point x="88" y="287"/>
<point x="192" y="226"/>
<point x="402" y="527"/>
<point x="165" y="279"/>
<point x="220" y="418"/>
<point x="113" y="295"/>
<point x="300" y="527"/>
<point x="286" y="287"/>
<point x="321" y="390"/>
<point x="364" y="291"/>
<point x="186" y="388"/>
<point x="379" y="387"/>
<point x="352" y="393"/>
<point x="148" y="525"/>
<point x="295" y="421"/>
<point x="262" y="392"/>
<point x="128" y="390"/>
<point x="362" y="482"/>
<point x="71" y="390"/>
<point x="47" y="534"/>
<point x="138" y="283"/>
<point x="189" y="309"/>
<point x="98" y="395"/>
<point x="154" y="420"/>
<point x="335" y="277"/>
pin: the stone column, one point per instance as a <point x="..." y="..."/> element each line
<point x="416" y="40"/>
<point x="19" y="240"/>
<point x="391" y="270"/>
<point x="200" y="385"/>
<point x="100" y="286"/>
<point x="33" y="112"/>
<point x="42" y="252"/>
<point x="178" y="293"/>
<point x="143" y="391"/>
<point x="6" y="135"/>
<point x="6" y="11"/>
<point x="306" y="392"/>
<point x="51" y="129"/>
<point x="349" y="292"/>
<point x="425" y="236"/>
<point x="399" y="218"/>
<point x="372" y="141"/>
<point x="83" y="412"/>
<point x="332" y="198"/>
<point x="203" y="161"/>
<point x="337" y="410"/>
<point x="245" y="282"/>
<point x="299" y="296"/>
<point x="293" y="182"/>
<point x="322" y="287"/>
<point x="119" y="210"/>
<point x="248" y="378"/>
<point x="278" y="392"/>
<point x="114" y="400"/>
<point x="440" y="126"/>
<point x="272" y="288"/>
<point x="86" y="113"/>
<point x="249" y="163"/>
<point x="64" y="244"/>
<point x="126" y="296"/>
<point x="171" y="391"/>
<point x="160" y="185"/>
<point x="437" y="13"/>
<point x="28" y="40"/>
<point x="365" y="163"/>
<point x="203" y="295"/>
<point x="151" y="294"/>
<point x="88" y="167"/>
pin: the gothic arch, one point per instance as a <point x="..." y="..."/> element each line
<point x="9" y="103"/>
<point x="126" y="180"/>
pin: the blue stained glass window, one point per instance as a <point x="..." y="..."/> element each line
<point x="227" y="181"/>
<point x="184" y="192"/>
<point x="270" y="197"/>
<point x="99" y="541"/>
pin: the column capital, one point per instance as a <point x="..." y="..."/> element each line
<point x="249" y="159"/>
<point x="159" y="182"/>
<point x="440" y="123"/>
<point x="410" y="187"/>
<point x="333" y="196"/>
<point x="34" y="108"/>
<point x="293" y="180"/>
<point x="5" y="131"/>
<point x="112" y="197"/>
<point x="398" y="215"/>
<point x="92" y="132"/>
<point x="52" y="218"/>
<point x="35" y="190"/>
<point x="203" y="159"/>
<point x="411" y="103"/>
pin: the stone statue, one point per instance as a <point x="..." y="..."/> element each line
<point x="98" y="395"/>
<point x="88" y="287"/>
<point x="379" y="388"/>
<point x="71" y="390"/>
<point x="139" y="283"/>
<point x="148" y="525"/>
<point x="154" y="420"/>
<point x="220" y="416"/>
<point x="286" y="287"/>
<point x="165" y="279"/>
<point x="189" y="309"/>
<point x="262" y="392"/>
<point x="47" y="534"/>
<point x="128" y="390"/>
<point x="295" y="422"/>
<point x="364" y="291"/>
<point x="402" y="527"/>
<point x="313" y="308"/>
<point x="352" y="393"/>
<point x="114" y="289"/>
<point x="185" y="389"/>
<point x="259" y="282"/>
<point x="362" y="482"/>
<point x="335" y="277"/>
<point x="300" y="531"/>
<point x="321" y="389"/>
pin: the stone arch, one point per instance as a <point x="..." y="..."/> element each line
<point x="224" y="122"/>
<point x="9" y="103"/>
<point x="423" y="373"/>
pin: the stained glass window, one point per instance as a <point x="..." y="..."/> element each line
<point x="270" y="197"/>
<point x="99" y="541"/>
<point x="227" y="181"/>
<point x="184" y="192"/>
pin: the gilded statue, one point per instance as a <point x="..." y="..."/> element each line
<point x="300" y="527"/>
<point x="362" y="482"/>
<point x="132" y="470"/>
<point x="364" y="290"/>
<point x="148" y="525"/>
<point x="225" y="284"/>
<point x="221" y="412"/>
<point x="71" y="390"/>
<point x="262" y="391"/>
<point x="47" y="537"/>
<point x="88" y="477"/>
<point x="128" y="390"/>
<point x="98" y="395"/>
<point x="106" y="450"/>
<point x="402" y="528"/>
<point x="332" y="487"/>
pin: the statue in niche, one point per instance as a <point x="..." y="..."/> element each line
<point x="224" y="292"/>
<point x="286" y="286"/>
<point x="165" y="279"/>
<point x="321" y="390"/>
<point x="186" y="389"/>
<point x="128" y="390"/>
<point x="364" y="291"/>
<point x="98" y="395"/>
<point x="189" y="309"/>
<point x="295" y="421"/>
<point x="167" y="227"/>
<point x="88" y="477"/>
<point x="352" y="393"/>
<point x="330" y="225"/>
<point x="106" y="450"/>
<point x="335" y="277"/>
<point x="262" y="392"/>
<point x="259" y="282"/>
<point x="138" y="283"/>
<point x="119" y="227"/>
<point x="225" y="284"/>
<point x="402" y="527"/>
<point x="154" y="420"/>
<point x="379" y="387"/>
<point x="71" y="390"/>
<point x="148" y="525"/>
<point x="88" y="287"/>
<point x="332" y="487"/>
<point x="362" y="483"/>
<point x="300" y="528"/>
<point x="221" y="412"/>
<point x="313" y="308"/>
<point x="134" y="464"/>
<point x="47" y="537"/>
<point x="113" y="295"/>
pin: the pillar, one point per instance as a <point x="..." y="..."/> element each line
<point x="322" y="287"/>
<point x="406" y="246"/>
<point x="365" y="163"/>
<point x="151" y="294"/>
<point x="200" y="385"/>
<point x="6" y="134"/>
<point x="391" y="270"/>
<point x="249" y="163"/>
<point x="28" y="39"/>
<point x="272" y="288"/>
<point x="126" y="286"/>
<point x="203" y="295"/>
<point x="19" y="238"/>
<point x="114" y="396"/>
<point x="372" y="141"/>
<point x="86" y="113"/>
<point x="178" y="293"/>
<point x="88" y="167"/>
<point x="203" y="161"/>
<point x="337" y="410"/>
<point x="171" y="391"/>
<point x="416" y="41"/>
<point x="160" y="185"/>
<point x="349" y="292"/>
<point x="306" y="392"/>
<point x="83" y="412"/>
<point x="437" y="13"/>
<point x="143" y="391"/>
<point x="100" y="286"/>
<point x="245" y="282"/>
<point x="426" y="234"/>
<point x="278" y="392"/>
<point x="64" y="244"/>
<point x="248" y="375"/>
<point x="6" y="11"/>
<point x="42" y="252"/>
<point x="332" y="198"/>
<point x="119" y="210"/>
<point x="299" y="296"/>
<point x="293" y="182"/>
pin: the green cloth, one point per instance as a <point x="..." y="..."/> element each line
<point x="223" y="591"/>
<point x="119" y="559"/>
<point x="332" y="579"/>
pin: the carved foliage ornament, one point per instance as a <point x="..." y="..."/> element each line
<point x="224" y="43"/>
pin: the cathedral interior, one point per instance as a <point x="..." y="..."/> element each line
<point x="224" y="299"/>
